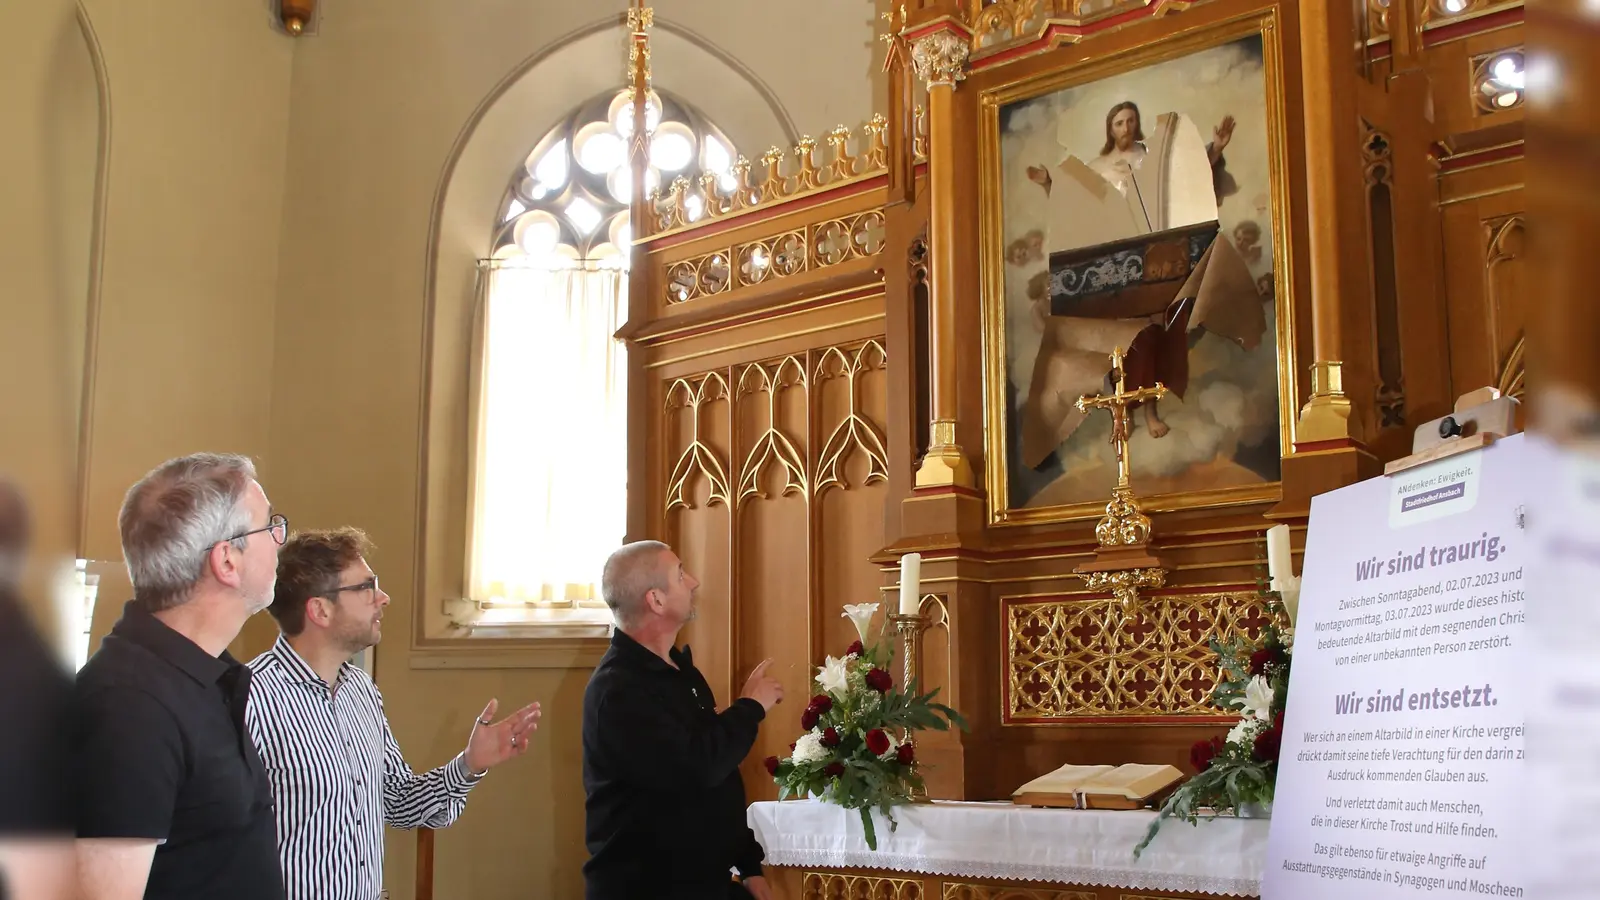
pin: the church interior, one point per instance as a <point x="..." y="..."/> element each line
<point x="312" y="232"/>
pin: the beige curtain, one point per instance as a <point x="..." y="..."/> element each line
<point x="549" y="466"/>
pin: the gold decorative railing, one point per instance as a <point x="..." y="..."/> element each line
<point x="688" y="202"/>
<point x="748" y="263"/>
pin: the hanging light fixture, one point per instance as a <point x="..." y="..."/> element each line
<point x="296" y="14"/>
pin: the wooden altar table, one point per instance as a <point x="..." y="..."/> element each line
<point x="988" y="851"/>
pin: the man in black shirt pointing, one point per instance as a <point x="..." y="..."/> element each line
<point x="665" y="810"/>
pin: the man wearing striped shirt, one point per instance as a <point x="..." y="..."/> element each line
<point x="337" y="773"/>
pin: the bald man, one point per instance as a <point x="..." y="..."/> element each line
<point x="665" y="809"/>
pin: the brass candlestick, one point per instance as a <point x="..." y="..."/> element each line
<point x="910" y="629"/>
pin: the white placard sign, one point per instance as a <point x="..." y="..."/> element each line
<point x="1401" y="769"/>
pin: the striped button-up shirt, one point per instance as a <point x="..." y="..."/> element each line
<point x="338" y="776"/>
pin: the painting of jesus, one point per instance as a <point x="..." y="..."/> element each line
<point x="1137" y="213"/>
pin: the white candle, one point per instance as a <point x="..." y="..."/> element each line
<point x="1280" y="564"/>
<point x="911" y="584"/>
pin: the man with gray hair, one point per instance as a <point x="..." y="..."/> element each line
<point x="173" y="799"/>
<point x="665" y="808"/>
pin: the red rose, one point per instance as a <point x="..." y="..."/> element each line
<point x="1201" y="754"/>
<point x="808" y="719"/>
<point x="821" y="703"/>
<point x="771" y="763"/>
<point x="905" y="754"/>
<point x="1259" y="660"/>
<point x="877" y="742"/>
<point x="855" y="648"/>
<point x="830" y="738"/>
<point x="834" y="769"/>
<point x="792" y="745"/>
<point x="879" y="680"/>
<point x="1267" y="745"/>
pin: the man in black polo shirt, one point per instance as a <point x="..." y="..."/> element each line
<point x="665" y="810"/>
<point x="173" y="800"/>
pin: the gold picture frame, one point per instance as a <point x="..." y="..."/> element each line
<point x="1177" y="41"/>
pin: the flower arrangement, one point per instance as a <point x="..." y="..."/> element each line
<point x="1237" y="773"/>
<point x="855" y="751"/>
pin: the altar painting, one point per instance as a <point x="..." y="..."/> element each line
<point x="1138" y="210"/>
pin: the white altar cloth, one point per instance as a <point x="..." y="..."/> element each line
<point x="1000" y="840"/>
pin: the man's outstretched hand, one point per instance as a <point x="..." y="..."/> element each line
<point x="763" y="688"/>
<point x="492" y="744"/>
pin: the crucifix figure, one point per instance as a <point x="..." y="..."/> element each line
<point x="1117" y="402"/>
<point x="1123" y="563"/>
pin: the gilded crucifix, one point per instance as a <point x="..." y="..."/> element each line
<point x="1122" y="565"/>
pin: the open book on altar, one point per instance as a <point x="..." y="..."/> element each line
<point x="1128" y="786"/>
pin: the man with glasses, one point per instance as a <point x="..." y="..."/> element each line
<point x="337" y="773"/>
<point x="173" y="801"/>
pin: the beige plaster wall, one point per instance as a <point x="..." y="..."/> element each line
<point x="140" y="234"/>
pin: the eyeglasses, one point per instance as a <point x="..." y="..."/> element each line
<point x="371" y="584"/>
<point x="277" y="526"/>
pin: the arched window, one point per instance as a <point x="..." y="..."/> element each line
<point x="549" y="459"/>
<point x="569" y="201"/>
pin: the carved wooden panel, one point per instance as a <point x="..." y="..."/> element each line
<point x="1077" y="660"/>
<point x="770" y="258"/>
<point x="836" y="886"/>
<point x="1484" y="231"/>
<point x="774" y="472"/>
<point x="954" y="891"/>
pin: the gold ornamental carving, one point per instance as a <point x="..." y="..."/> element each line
<point x="1005" y="20"/>
<point x="688" y="202"/>
<point x="940" y="58"/>
<point x="773" y="446"/>
<point x="855" y="433"/>
<point x="1510" y="382"/>
<point x="816" y="246"/>
<point x="1070" y="659"/>
<point x="695" y="394"/>
<point x="763" y="384"/>
<point x="954" y="891"/>
<point x="838" y="886"/>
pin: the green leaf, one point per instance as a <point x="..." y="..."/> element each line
<point x="866" y="826"/>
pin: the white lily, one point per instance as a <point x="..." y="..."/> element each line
<point x="860" y="615"/>
<point x="894" y="746"/>
<point x="1257" y="700"/>
<point x="833" y="676"/>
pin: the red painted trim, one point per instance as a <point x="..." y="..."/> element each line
<point x="1380" y="50"/>
<point x="1456" y="30"/>
<point x="1482" y="157"/>
<point x="921" y="31"/>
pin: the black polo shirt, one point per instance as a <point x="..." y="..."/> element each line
<point x="665" y="809"/>
<point x="160" y="751"/>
